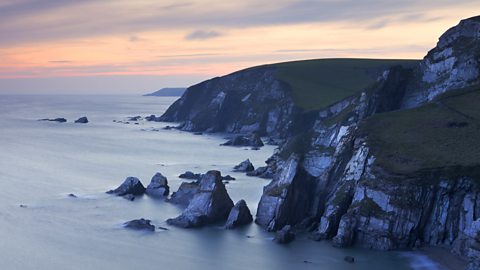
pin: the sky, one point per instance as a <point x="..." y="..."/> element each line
<point x="138" y="46"/>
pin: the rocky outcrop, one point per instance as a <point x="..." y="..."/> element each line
<point x="82" y="120"/>
<point x="244" y="166"/>
<point x="158" y="186"/>
<point x="239" y="215"/>
<point x="252" y="140"/>
<point x="190" y="175"/>
<point x="285" y="235"/>
<point x="139" y="224"/>
<point x="185" y="193"/>
<point x="211" y="203"/>
<point x="454" y="63"/>
<point x="131" y="185"/>
<point x="244" y="102"/>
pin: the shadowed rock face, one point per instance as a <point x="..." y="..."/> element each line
<point x="158" y="186"/>
<point x="185" y="193"/>
<point x="131" y="185"/>
<point x="454" y="63"/>
<point x="210" y="204"/>
<point x="239" y="215"/>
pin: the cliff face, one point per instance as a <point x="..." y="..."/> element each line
<point x="360" y="171"/>
<point x="243" y="102"/>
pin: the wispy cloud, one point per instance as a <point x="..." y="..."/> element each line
<point x="202" y="35"/>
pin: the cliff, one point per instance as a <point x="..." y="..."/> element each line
<point x="378" y="154"/>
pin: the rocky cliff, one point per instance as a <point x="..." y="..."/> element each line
<point x="394" y="164"/>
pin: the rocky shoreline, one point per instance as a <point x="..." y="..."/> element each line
<point x="329" y="176"/>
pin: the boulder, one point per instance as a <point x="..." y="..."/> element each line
<point x="131" y="185"/>
<point x="285" y="235"/>
<point x="253" y="140"/>
<point x="210" y="204"/>
<point x="151" y="118"/>
<point x="227" y="178"/>
<point x="190" y="175"/>
<point x="158" y="186"/>
<point x="139" y="224"/>
<point x="185" y="193"/>
<point x="82" y="120"/>
<point x="239" y="215"/>
<point x="244" y="166"/>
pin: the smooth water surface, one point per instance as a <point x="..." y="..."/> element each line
<point x="42" y="162"/>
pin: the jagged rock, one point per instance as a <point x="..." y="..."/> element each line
<point x="210" y="204"/>
<point x="253" y="140"/>
<point x="139" y="224"/>
<point x="244" y="166"/>
<point x="262" y="172"/>
<point x="185" y="193"/>
<point x="131" y="185"/>
<point x="239" y="215"/>
<point x="190" y="175"/>
<point x="285" y="235"/>
<point x="158" y="186"/>
<point x="228" y="178"/>
<point x="82" y="120"/>
<point x="349" y="259"/>
<point x="59" y="120"/>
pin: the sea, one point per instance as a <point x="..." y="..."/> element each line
<point x="42" y="227"/>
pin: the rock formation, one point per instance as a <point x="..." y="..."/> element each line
<point x="158" y="186"/>
<point x="82" y="120"/>
<point x="131" y="185"/>
<point x="244" y="166"/>
<point x="239" y="215"/>
<point x="210" y="203"/>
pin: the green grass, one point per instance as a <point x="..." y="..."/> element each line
<point x="319" y="83"/>
<point x="443" y="135"/>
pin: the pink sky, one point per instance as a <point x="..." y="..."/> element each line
<point x="154" y="44"/>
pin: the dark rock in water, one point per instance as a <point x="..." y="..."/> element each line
<point x="139" y="224"/>
<point x="151" y="118"/>
<point x="168" y="127"/>
<point x="162" y="228"/>
<point x="59" y="120"/>
<point x="253" y="140"/>
<point x="239" y="215"/>
<point x="158" y="186"/>
<point x="185" y="193"/>
<point x="255" y="148"/>
<point x="23" y="206"/>
<point x="82" y="120"/>
<point x="71" y="195"/>
<point x="349" y="259"/>
<point x="227" y="178"/>
<point x="211" y="203"/>
<point x="190" y="175"/>
<point x="285" y="235"/>
<point x="134" y="118"/>
<point x="129" y="197"/>
<point x="131" y="185"/>
<point x="244" y="166"/>
<point x="198" y="133"/>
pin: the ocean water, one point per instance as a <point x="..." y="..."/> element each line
<point x="42" y="162"/>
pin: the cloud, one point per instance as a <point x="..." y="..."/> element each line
<point x="26" y="21"/>
<point x="202" y="35"/>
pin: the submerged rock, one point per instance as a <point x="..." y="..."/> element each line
<point x="131" y="185"/>
<point x="158" y="186"/>
<point x="285" y="235"/>
<point x="140" y="224"/>
<point x="185" y="193"/>
<point x="59" y="120"/>
<point x="239" y="215"/>
<point x="134" y="118"/>
<point x="151" y="118"/>
<point x="349" y="259"/>
<point x="82" y="120"/>
<point x="228" y="178"/>
<point x="211" y="203"/>
<point x="244" y="166"/>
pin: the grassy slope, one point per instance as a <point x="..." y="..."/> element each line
<point x="445" y="133"/>
<point x="322" y="82"/>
